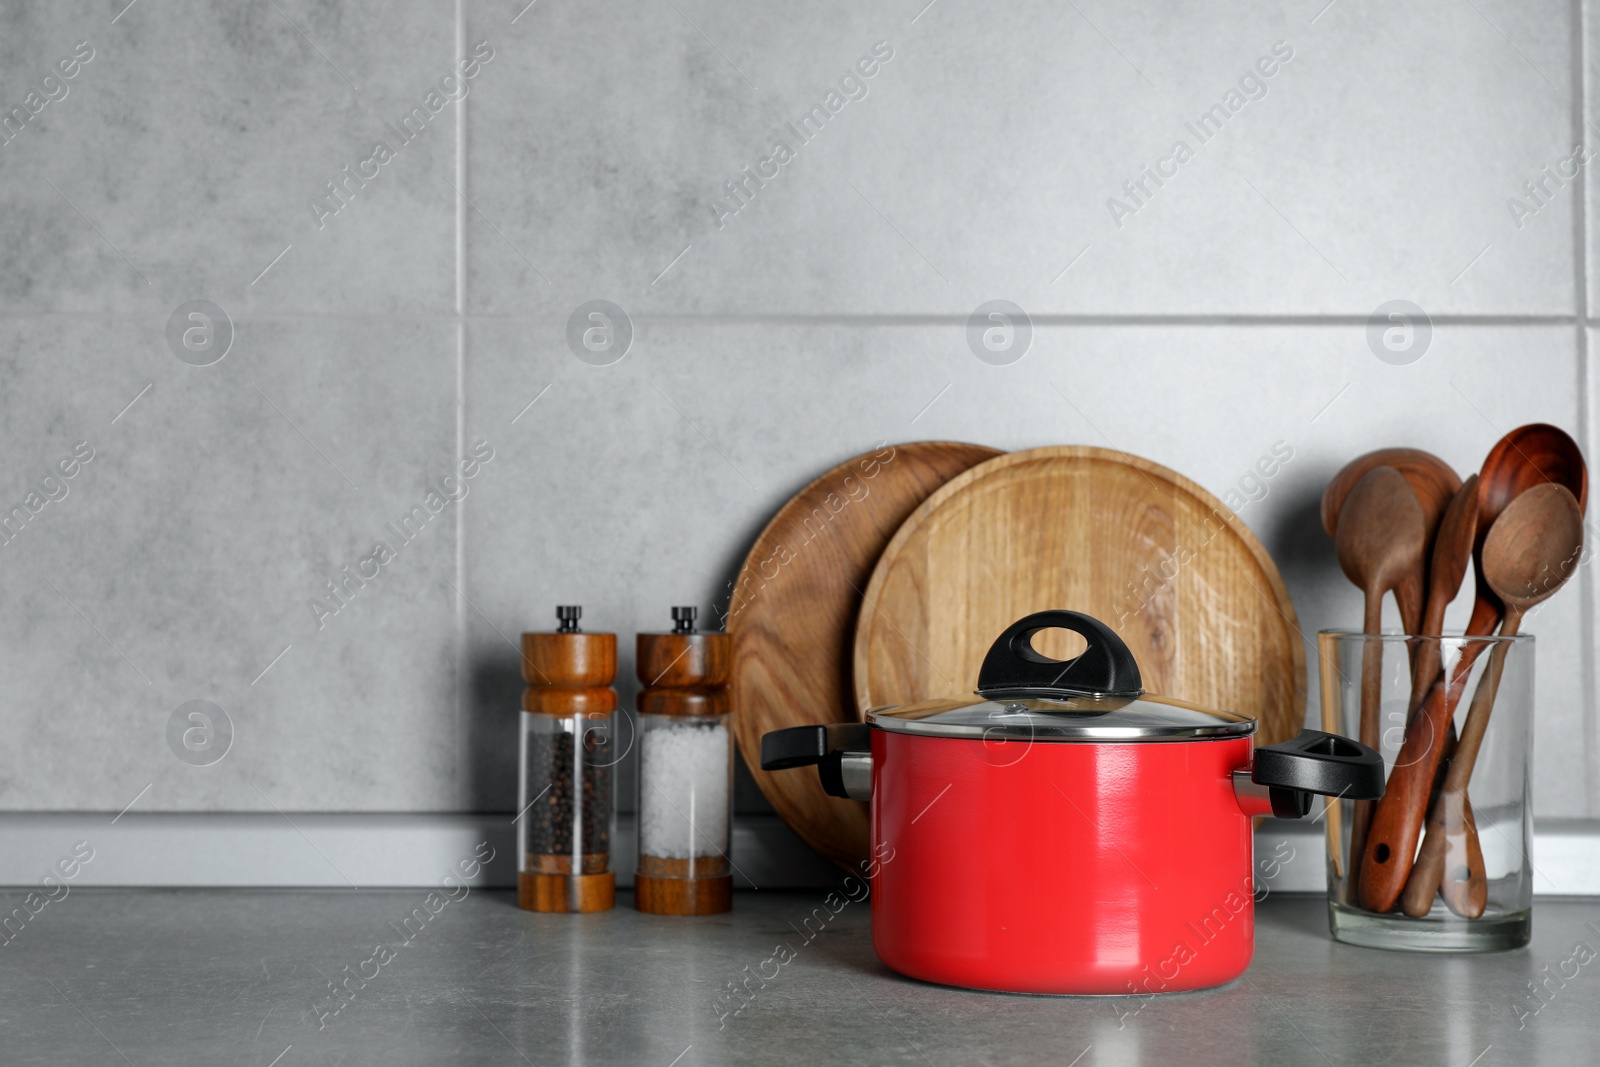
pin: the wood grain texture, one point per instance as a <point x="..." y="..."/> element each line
<point x="666" y="885"/>
<point x="793" y="617"/>
<point x="566" y="892"/>
<point x="679" y="659"/>
<point x="1157" y="558"/>
<point x="683" y="673"/>
<point x="569" y="659"/>
<point x="683" y="896"/>
<point x="569" y="673"/>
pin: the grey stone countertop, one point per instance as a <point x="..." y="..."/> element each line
<point x="242" y="977"/>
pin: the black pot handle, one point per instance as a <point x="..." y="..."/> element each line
<point x="825" y="744"/>
<point x="1316" y="762"/>
<point x="1105" y="668"/>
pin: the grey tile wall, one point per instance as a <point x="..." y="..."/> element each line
<point x="1352" y="154"/>
<point x="183" y="557"/>
<point x="185" y="154"/>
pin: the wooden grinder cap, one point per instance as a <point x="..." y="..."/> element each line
<point x="684" y="672"/>
<point x="569" y="672"/>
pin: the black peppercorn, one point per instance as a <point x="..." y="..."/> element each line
<point x="553" y="819"/>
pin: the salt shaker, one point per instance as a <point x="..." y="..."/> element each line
<point x="685" y="771"/>
<point x="565" y="789"/>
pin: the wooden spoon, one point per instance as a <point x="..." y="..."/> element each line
<point x="1452" y="552"/>
<point x="1390" y="846"/>
<point x="1535" y="454"/>
<point x="1527" y="456"/>
<point x="1397" y="820"/>
<point x="1531" y="455"/>
<point x="1434" y="482"/>
<point x="1529" y="554"/>
<point x="1460" y="850"/>
<point x="1380" y="544"/>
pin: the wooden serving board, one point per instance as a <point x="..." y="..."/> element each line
<point x="793" y="616"/>
<point x="1153" y="555"/>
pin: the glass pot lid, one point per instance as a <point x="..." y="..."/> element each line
<point x="1097" y="696"/>
<point x="1073" y="718"/>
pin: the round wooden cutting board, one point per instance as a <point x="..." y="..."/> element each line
<point x="1164" y="563"/>
<point x="793" y="616"/>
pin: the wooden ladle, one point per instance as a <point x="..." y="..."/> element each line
<point x="1529" y="555"/>
<point x="1381" y="540"/>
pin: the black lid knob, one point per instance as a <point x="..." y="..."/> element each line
<point x="1104" y="668"/>
<point x="683" y="620"/>
<point x="569" y="614"/>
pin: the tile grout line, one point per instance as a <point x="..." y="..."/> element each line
<point x="459" y="202"/>
<point x="828" y="319"/>
<point x="1580" y="106"/>
<point x="463" y="775"/>
<point x="1587" y="591"/>
<point x="1587" y="594"/>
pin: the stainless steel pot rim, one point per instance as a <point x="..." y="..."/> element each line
<point x="1077" y="718"/>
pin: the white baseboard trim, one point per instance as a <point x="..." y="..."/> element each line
<point x="1566" y="857"/>
<point x="377" y="851"/>
<point x="369" y="851"/>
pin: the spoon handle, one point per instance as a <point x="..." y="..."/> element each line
<point x="1368" y="734"/>
<point x="1468" y="896"/>
<point x="1426" y="668"/>
<point x="1416" y="900"/>
<point x="1391" y="844"/>
<point x="1464" y="855"/>
<point x="1410" y="597"/>
<point x="1447" y="852"/>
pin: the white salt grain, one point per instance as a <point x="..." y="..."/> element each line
<point x="683" y="790"/>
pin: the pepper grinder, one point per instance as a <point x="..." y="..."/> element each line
<point x="566" y="789"/>
<point x="685" y="771"/>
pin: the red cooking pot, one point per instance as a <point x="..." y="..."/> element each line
<point x="1065" y="833"/>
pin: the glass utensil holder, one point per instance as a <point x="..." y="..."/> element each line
<point x="1443" y="862"/>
